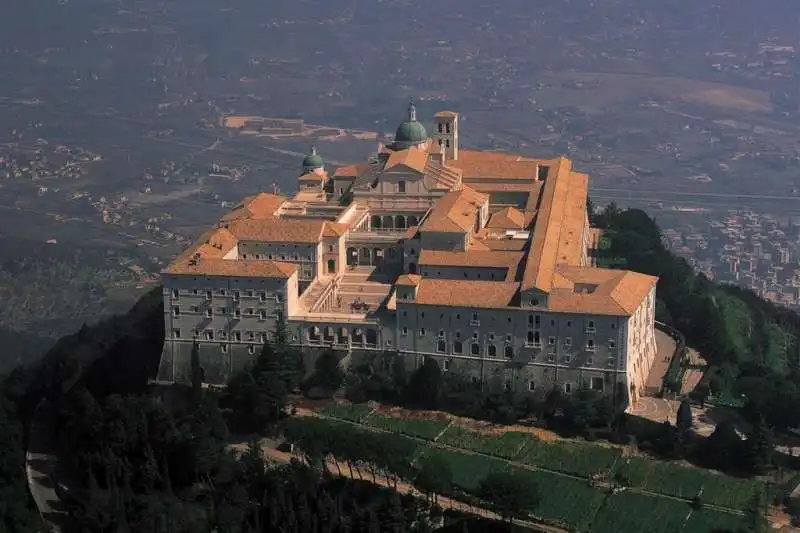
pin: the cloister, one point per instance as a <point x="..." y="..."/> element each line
<point x="329" y="335"/>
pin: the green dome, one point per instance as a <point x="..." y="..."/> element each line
<point x="410" y="132"/>
<point x="313" y="161"/>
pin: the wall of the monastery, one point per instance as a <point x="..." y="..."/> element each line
<point x="333" y="254"/>
<point x="469" y="273"/>
<point x="575" y="342"/>
<point x="451" y="241"/>
<point x="641" y="343"/>
<point x="306" y="256"/>
<point x="505" y="199"/>
<point x="225" y="309"/>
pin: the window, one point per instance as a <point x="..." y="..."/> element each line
<point x="509" y="351"/>
<point x="237" y="313"/>
<point x="251" y="311"/>
<point x="441" y="334"/>
<point x="567" y="358"/>
<point x="458" y="347"/>
<point x="176" y="333"/>
<point x="537" y="321"/>
<point x="401" y="186"/>
<point x="250" y="293"/>
<point x="590" y="326"/>
<point x="330" y="247"/>
<point x="569" y="323"/>
<point x="590" y="345"/>
<point x="441" y="128"/>
<point x="537" y="340"/>
<point x="491" y="336"/>
<point x="194" y="291"/>
<point x="529" y="340"/>
<point x="445" y="365"/>
<point x="251" y="335"/>
<point x="568" y="388"/>
<point x="589" y="361"/>
<point x="551" y="341"/>
<point x="441" y="346"/>
<point x="475" y="335"/>
<point x="262" y="296"/>
<point x="447" y="143"/>
<point x="612" y="344"/>
<point x="508" y="338"/>
<point x="507" y="384"/>
<point x="475" y="349"/>
<point x="531" y="386"/>
<point x="223" y="348"/>
<point x="209" y="312"/>
<point x="208" y="295"/>
<point x="458" y="316"/>
<point x="612" y="362"/>
<point x="613" y="326"/>
<point x="552" y="323"/>
<point x="237" y="336"/>
<point x="236" y="296"/>
<point x="262" y="314"/>
<point x="422" y="315"/>
<point x="551" y="357"/>
<point x="568" y="342"/>
<point x="176" y="293"/>
<point x="222" y="311"/>
<point x="422" y="332"/>
<point x="278" y="297"/>
<point x="251" y="349"/>
<point x="404" y="332"/>
<point x="535" y="302"/>
<point x="492" y="350"/>
<point x="530" y="319"/>
<point x="176" y="311"/>
<point x="209" y="335"/>
<point x="596" y="383"/>
<point x="458" y="334"/>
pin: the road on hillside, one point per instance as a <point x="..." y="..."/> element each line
<point x="40" y="462"/>
<point x="270" y="451"/>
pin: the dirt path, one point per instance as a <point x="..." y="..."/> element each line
<point x="271" y="452"/>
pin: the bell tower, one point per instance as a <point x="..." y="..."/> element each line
<point x="445" y="132"/>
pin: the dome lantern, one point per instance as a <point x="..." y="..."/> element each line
<point x="411" y="132"/>
<point x="313" y="161"/>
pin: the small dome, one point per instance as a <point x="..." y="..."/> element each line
<point x="410" y="133"/>
<point x="313" y="160"/>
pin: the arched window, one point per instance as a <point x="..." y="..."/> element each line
<point x="441" y="346"/>
<point x="458" y="347"/>
<point x="509" y="351"/>
<point x="492" y="350"/>
<point x="475" y="349"/>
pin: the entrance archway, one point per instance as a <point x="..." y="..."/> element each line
<point x="365" y="257"/>
<point x="375" y="222"/>
<point x="412" y="268"/>
<point x="352" y="256"/>
<point x="331" y="266"/>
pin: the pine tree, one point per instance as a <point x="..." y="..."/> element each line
<point x="760" y="446"/>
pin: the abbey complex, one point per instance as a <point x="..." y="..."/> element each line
<point x="482" y="261"/>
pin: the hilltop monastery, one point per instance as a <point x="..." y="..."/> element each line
<point x="480" y="260"/>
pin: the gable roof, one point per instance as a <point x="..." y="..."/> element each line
<point x="259" y="206"/>
<point x="412" y="158"/>
<point x="455" y="212"/>
<point x="508" y="218"/>
<point x="295" y="230"/>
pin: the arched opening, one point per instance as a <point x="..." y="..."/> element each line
<point x="358" y="336"/>
<point x="458" y="347"/>
<point x="509" y="351"/>
<point x="400" y="222"/>
<point x="313" y="334"/>
<point x="366" y="257"/>
<point x="331" y="266"/>
<point x="343" y="336"/>
<point x="372" y="337"/>
<point x="441" y="346"/>
<point x="412" y="221"/>
<point x="475" y="349"/>
<point x="492" y="350"/>
<point x="388" y="222"/>
<point x="412" y="268"/>
<point x="329" y="335"/>
<point x="352" y="256"/>
<point x="375" y="222"/>
<point x="377" y="256"/>
<point x="530" y="337"/>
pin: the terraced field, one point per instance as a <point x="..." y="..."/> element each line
<point x="422" y="428"/>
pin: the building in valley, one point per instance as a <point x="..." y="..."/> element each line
<point x="480" y="260"/>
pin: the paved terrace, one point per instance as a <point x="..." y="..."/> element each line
<point x="357" y="295"/>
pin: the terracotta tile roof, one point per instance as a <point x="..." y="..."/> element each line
<point x="481" y="166"/>
<point x="334" y="229"/>
<point x="508" y="218"/>
<point x="408" y="280"/>
<point x="511" y="245"/>
<point x="351" y="171"/>
<point x="475" y="259"/>
<point x="412" y="158"/>
<point x="573" y="222"/>
<point x="294" y="230"/>
<point x="456" y="211"/>
<point x="546" y="232"/>
<point x="446" y="114"/>
<point x="598" y="291"/>
<point x="260" y="206"/>
<point x="312" y="176"/>
<point x="466" y="293"/>
<point x="251" y="268"/>
<point x="521" y="186"/>
<point x="438" y="176"/>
